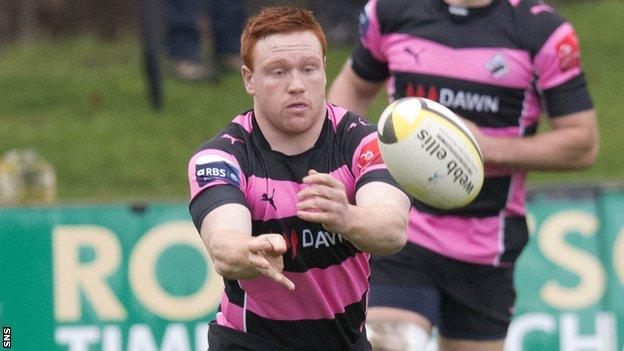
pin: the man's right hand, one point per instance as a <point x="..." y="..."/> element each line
<point x="265" y="254"/>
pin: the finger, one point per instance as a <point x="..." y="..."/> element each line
<point x="316" y="204"/>
<point x="270" y="243"/>
<point x="315" y="191"/>
<point x="278" y="277"/>
<point x="277" y="244"/>
<point x="259" y="261"/>
<point x="314" y="216"/>
<point x="321" y="179"/>
<point x="259" y="244"/>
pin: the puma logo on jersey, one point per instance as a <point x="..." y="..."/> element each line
<point x="414" y="54"/>
<point x="232" y="139"/>
<point x="265" y="197"/>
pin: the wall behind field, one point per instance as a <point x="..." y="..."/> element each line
<point x="122" y="277"/>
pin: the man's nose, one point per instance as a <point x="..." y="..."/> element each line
<point x="296" y="83"/>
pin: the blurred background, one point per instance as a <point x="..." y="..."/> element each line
<point x="94" y="232"/>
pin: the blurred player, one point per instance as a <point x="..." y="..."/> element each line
<point x="498" y="64"/>
<point x="290" y="197"/>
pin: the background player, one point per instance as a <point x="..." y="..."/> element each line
<point x="289" y="197"/>
<point x="497" y="63"/>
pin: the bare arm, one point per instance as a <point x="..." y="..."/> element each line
<point x="226" y="232"/>
<point x="376" y="224"/>
<point x="352" y="91"/>
<point x="572" y="144"/>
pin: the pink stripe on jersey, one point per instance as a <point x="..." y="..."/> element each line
<point x="245" y="121"/>
<point x="514" y="3"/>
<point x="231" y="315"/>
<point x="548" y="64"/>
<point x="417" y="55"/>
<point x="463" y="238"/>
<point x="319" y="293"/>
<point x="284" y="198"/>
<point x="218" y="154"/>
<point x="373" y="33"/>
<point x="541" y="8"/>
<point x="335" y="114"/>
<point x="531" y="109"/>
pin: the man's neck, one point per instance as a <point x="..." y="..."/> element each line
<point x="469" y="3"/>
<point x="289" y="144"/>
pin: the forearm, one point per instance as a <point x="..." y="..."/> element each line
<point x="230" y="254"/>
<point x="352" y="92"/>
<point x="556" y="150"/>
<point x="379" y="229"/>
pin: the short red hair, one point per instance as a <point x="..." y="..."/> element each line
<point x="278" y="20"/>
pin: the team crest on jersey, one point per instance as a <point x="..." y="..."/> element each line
<point x="212" y="168"/>
<point x="497" y="65"/>
<point x="569" y="52"/>
<point x="369" y="155"/>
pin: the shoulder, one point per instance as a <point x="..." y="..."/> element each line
<point x="535" y="22"/>
<point x="345" y="121"/>
<point x="394" y="13"/>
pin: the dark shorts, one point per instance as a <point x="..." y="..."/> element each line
<point x="465" y="300"/>
<point x="221" y="338"/>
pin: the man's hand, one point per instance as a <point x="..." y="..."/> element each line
<point x="265" y="255"/>
<point x="324" y="201"/>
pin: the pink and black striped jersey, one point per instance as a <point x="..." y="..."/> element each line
<point x="499" y="66"/>
<point x="327" y="309"/>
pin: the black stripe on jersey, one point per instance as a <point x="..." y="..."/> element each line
<point x="516" y="237"/>
<point x="320" y="334"/>
<point x="490" y="201"/>
<point x="569" y="97"/>
<point x="430" y="20"/>
<point x="476" y="102"/>
<point x="309" y="244"/>
<point x="533" y="30"/>
<point x="212" y="198"/>
<point x="530" y="130"/>
<point x="234" y="292"/>
<point x="366" y="66"/>
<point x="227" y="339"/>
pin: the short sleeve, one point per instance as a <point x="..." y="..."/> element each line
<point x="361" y="150"/>
<point x="557" y="66"/>
<point x="368" y="59"/>
<point x="215" y="178"/>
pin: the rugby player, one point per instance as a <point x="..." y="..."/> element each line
<point x="499" y="64"/>
<point x="290" y="198"/>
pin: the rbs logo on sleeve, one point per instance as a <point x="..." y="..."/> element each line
<point x="212" y="168"/>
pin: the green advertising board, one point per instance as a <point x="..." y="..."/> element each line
<point x="105" y="278"/>
<point x="119" y="277"/>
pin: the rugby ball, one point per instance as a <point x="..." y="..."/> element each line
<point x="430" y="152"/>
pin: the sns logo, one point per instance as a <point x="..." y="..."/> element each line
<point x="210" y="168"/>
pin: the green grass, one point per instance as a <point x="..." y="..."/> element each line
<point x="81" y="104"/>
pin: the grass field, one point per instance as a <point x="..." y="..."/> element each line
<point x="81" y="104"/>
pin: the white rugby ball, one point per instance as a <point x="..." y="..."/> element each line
<point x="430" y="152"/>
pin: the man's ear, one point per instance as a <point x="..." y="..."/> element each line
<point x="248" y="80"/>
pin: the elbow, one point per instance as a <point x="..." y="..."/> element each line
<point x="395" y="241"/>
<point x="587" y="157"/>
<point x="398" y="243"/>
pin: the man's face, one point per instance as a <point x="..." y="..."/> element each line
<point x="288" y="81"/>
